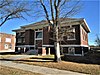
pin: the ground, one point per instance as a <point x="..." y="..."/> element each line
<point x="89" y="64"/>
<point x="4" y="70"/>
<point x="65" y="65"/>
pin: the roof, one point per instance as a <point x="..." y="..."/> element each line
<point x="6" y="34"/>
<point x="63" y="21"/>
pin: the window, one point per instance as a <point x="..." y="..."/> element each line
<point x="23" y="40"/>
<point x="18" y="35"/>
<point x="39" y="35"/>
<point x="23" y="34"/>
<point x="71" y="50"/>
<point x="8" y="40"/>
<point x="19" y="40"/>
<point x="71" y="30"/>
<point x="6" y="46"/>
<point x="71" y="35"/>
<point x="10" y="46"/>
<point x="84" y="34"/>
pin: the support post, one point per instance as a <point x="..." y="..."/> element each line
<point x="48" y="51"/>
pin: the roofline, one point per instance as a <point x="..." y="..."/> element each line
<point x="86" y="25"/>
<point x="6" y="33"/>
<point x="44" y="22"/>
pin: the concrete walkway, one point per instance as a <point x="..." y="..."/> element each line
<point x="17" y="57"/>
<point x="1" y="51"/>
<point x="37" y="69"/>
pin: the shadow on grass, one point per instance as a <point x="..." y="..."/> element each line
<point x="42" y="58"/>
<point x="90" y="58"/>
<point x="8" y="53"/>
<point x="36" y="60"/>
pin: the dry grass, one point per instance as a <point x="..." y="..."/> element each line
<point x="12" y="71"/>
<point x="64" y="65"/>
<point x="4" y="56"/>
<point x="70" y="66"/>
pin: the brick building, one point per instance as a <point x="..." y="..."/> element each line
<point x="7" y="41"/>
<point x="38" y="35"/>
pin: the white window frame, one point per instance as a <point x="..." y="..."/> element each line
<point x="6" y="46"/>
<point x="8" y="40"/>
<point x="71" y="49"/>
<point x="39" y="38"/>
<point x="74" y="35"/>
<point x="19" y="41"/>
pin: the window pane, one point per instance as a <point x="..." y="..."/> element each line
<point x="8" y="40"/>
<point x="19" y="40"/>
<point x="38" y="34"/>
<point x="6" y="46"/>
<point x="71" y="36"/>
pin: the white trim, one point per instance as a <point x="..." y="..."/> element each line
<point x="66" y="45"/>
<point x="25" y="46"/>
<point x="74" y="30"/>
<point x="47" y="45"/>
<point x="74" y="45"/>
<point x="72" y="39"/>
<point x="53" y="46"/>
<point x="71" y="50"/>
<point x="86" y="24"/>
<point x="8" y="40"/>
<point x="39" y="38"/>
<point x="74" y="54"/>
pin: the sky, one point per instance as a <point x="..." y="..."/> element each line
<point x="90" y="11"/>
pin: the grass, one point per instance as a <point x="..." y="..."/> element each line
<point x="89" y="58"/>
<point x="93" y="69"/>
<point x="12" y="71"/>
<point x="89" y="64"/>
<point x="69" y="66"/>
<point x="4" y="56"/>
<point x="46" y="56"/>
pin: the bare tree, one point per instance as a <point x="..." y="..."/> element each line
<point x="97" y="41"/>
<point x="10" y="9"/>
<point x="53" y="10"/>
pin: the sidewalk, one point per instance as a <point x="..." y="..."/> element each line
<point x="38" y="69"/>
<point x="1" y="51"/>
<point x="17" y="57"/>
<point x="33" y="68"/>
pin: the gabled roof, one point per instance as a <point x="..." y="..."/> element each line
<point x="63" y="21"/>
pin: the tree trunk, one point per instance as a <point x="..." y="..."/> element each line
<point x="57" y="47"/>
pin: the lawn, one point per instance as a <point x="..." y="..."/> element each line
<point x="93" y="69"/>
<point x="12" y="71"/>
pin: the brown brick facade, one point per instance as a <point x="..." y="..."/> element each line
<point x="84" y="36"/>
<point x="29" y="37"/>
<point x="77" y="41"/>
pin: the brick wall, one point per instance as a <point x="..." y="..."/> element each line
<point x="7" y="41"/>
<point x="84" y="36"/>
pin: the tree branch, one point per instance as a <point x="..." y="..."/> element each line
<point x="46" y="12"/>
<point x="52" y="11"/>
